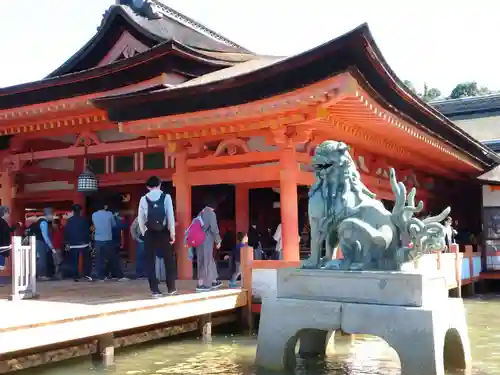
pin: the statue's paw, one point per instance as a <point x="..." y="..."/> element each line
<point x="309" y="264"/>
<point x="356" y="267"/>
<point x="334" y="264"/>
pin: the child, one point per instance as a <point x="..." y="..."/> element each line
<point x="241" y="241"/>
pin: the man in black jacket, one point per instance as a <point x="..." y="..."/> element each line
<point x="77" y="238"/>
<point x="5" y="236"/>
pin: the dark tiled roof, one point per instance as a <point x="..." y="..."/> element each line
<point x="355" y="52"/>
<point x="474" y="106"/>
<point x="164" y="58"/>
<point x="150" y="30"/>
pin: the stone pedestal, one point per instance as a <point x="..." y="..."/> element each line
<point x="410" y="311"/>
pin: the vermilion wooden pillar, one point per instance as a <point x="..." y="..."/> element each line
<point x="289" y="204"/>
<point x="242" y="208"/>
<point x="183" y="215"/>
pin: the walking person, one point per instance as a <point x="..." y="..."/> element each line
<point x="103" y="221"/>
<point x="57" y="241"/>
<point x="157" y="225"/>
<point x="279" y="243"/>
<point x="115" y="265"/>
<point x="5" y="236"/>
<point x="140" y="254"/>
<point x="449" y="233"/>
<point x="207" y="269"/>
<point x="40" y="229"/>
<point x="77" y="239"/>
<point x="242" y="241"/>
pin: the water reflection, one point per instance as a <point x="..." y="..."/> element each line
<point x="234" y="355"/>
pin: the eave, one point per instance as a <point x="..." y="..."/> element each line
<point x="354" y="51"/>
<point x="167" y="57"/>
<point x="117" y="19"/>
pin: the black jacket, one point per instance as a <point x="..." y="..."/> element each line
<point x="77" y="231"/>
<point x="5" y="233"/>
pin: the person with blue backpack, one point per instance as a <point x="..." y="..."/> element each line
<point x="157" y="224"/>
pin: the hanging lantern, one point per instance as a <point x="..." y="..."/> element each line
<point x="87" y="182"/>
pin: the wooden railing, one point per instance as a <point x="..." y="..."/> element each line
<point x="23" y="269"/>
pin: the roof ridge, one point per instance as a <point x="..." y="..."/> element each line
<point x="188" y="21"/>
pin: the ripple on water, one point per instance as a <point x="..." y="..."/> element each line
<point x="234" y="355"/>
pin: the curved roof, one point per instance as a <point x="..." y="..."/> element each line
<point x="470" y="107"/>
<point x="171" y="25"/>
<point x="166" y="57"/>
<point x="355" y="52"/>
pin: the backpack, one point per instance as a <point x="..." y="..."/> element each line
<point x="195" y="234"/>
<point x="156" y="214"/>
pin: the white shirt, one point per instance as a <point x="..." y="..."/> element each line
<point x="277" y="238"/>
<point x="449" y="233"/>
<point x="153" y="196"/>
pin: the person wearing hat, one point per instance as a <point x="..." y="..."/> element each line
<point x="43" y="242"/>
<point x="5" y="235"/>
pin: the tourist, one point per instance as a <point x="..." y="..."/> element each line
<point x="40" y="229"/>
<point x="57" y="241"/>
<point x="103" y="221"/>
<point x="279" y="242"/>
<point x="278" y="237"/>
<point x="140" y="254"/>
<point x="77" y="238"/>
<point x="242" y="241"/>
<point x="207" y="269"/>
<point x="157" y="225"/>
<point x="449" y="232"/>
<point x="115" y="266"/>
<point x="5" y="236"/>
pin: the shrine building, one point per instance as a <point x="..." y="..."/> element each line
<point x="157" y="93"/>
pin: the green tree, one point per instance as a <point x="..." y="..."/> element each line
<point x="466" y="89"/>
<point x="409" y="85"/>
<point x="428" y="94"/>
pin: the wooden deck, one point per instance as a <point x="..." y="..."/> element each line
<point x="70" y="311"/>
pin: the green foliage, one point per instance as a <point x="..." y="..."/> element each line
<point x="462" y="90"/>
<point x="428" y="94"/>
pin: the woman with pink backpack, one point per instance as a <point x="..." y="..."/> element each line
<point x="203" y="234"/>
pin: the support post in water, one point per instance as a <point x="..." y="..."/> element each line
<point x="205" y="327"/>
<point x="246" y="256"/>
<point x="105" y="353"/>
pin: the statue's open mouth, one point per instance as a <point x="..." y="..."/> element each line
<point x="321" y="167"/>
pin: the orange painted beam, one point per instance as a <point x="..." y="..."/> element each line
<point x="131" y="178"/>
<point x="110" y="147"/>
<point x="258" y="174"/>
<point x="248" y="158"/>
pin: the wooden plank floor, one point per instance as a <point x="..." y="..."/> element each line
<point x="68" y="311"/>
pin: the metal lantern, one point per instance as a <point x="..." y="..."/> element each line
<point x="88" y="182"/>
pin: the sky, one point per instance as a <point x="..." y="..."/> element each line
<point x="438" y="42"/>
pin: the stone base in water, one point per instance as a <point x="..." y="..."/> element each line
<point x="411" y="312"/>
<point x="372" y="287"/>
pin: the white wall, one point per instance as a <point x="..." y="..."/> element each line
<point x="491" y="198"/>
<point x="48" y="186"/>
<point x="483" y="129"/>
<point x="65" y="164"/>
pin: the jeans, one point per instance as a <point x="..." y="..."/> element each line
<point x="107" y="255"/>
<point x="237" y="272"/>
<point x="41" y="258"/>
<point x="140" y="259"/>
<point x="74" y="257"/>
